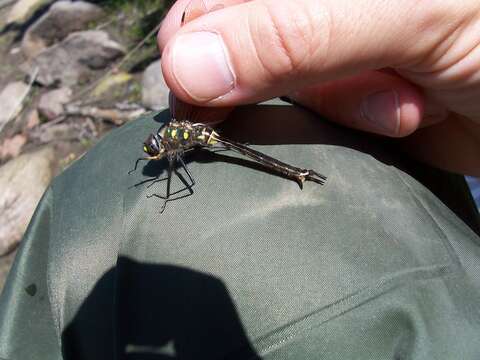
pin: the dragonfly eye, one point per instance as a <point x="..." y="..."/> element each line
<point x="151" y="146"/>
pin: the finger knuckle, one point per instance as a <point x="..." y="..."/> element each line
<point x="285" y="37"/>
<point x="440" y="24"/>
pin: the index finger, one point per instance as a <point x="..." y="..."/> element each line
<point x="184" y="11"/>
<point x="181" y="13"/>
<point x="265" y="48"/>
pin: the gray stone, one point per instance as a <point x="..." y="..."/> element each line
<point x="111" y="83"/>
<point x="23" y="181"/>
<point x="23" y="9"/>
<point x="77" y="55"/>
<point x="63" y="18"/>
<point x="10" y="99"/>
<point x="51" y="103"/>
<point x="154" y="89"/>
<point x="12" y="146"/>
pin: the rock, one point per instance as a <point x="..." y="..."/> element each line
<point x="23" y="9"/>
<point x="51" y="103"/>
<point x="10" y="99"/>
<point x="74" y="128"/>
<point x="63" y="18"/>
<point x="15" y="51"/>
<point x="154" y="89"/>
<point x="110" y="82"/>
<point x="32" y="119"/>
<point x="62" y="131"/>
<point x="11" y="147"/>
<point x="75" y="57"/>
<point x="23" y="181"/>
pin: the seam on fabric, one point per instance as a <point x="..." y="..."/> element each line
<point x="443" y="237"/>
<point x="57" y="297"/>
<point x="115" y="309"/>
<point x="54" y="309"/>
<point x="122" y="236"/>
<point x="275" y="339"/>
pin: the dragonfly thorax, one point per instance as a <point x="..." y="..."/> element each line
<point x="177" y="136"/>
<point x="185" y="134"/>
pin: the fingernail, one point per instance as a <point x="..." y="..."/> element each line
<point x="201" y="65"/>
<point x="382" y="110"/>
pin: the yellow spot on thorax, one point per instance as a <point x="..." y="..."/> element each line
<point x="186" y="135"/>
<point x="174" y="133"/>
<point x="211" y="138"/>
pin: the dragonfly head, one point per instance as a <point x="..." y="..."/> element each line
<point x="153" y="147"/>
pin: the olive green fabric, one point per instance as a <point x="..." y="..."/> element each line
<point x="370" y="266"/>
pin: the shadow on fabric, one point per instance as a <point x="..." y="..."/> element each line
<point x="147" y="311"/>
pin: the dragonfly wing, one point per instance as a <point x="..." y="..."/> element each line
<point x="180" y="110"/>
<point x="173" y="106"/>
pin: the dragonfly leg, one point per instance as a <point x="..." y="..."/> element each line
<point x="170" y="198"/>
<point x="144" y="159"/>
<point x="157" y="179"/>
<point x="188" y="187"/>
<point x="154" y="181"/>
<point x="169" y="194"/>
<point x="192" y="180"/>
<point x="169" y="181"/>
<point x="136" y="164"/>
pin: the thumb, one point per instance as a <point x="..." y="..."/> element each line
<point x="374" y="101"/>
<point x="260" y="49"/>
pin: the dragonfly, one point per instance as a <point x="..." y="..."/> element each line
<point x="183" y="134"/>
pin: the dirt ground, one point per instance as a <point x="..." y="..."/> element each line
<point x="127" y="22"/>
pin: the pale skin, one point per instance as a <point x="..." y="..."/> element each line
<point x="406" y="69"/>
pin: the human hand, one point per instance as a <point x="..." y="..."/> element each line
<point x="407" y="69"/>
